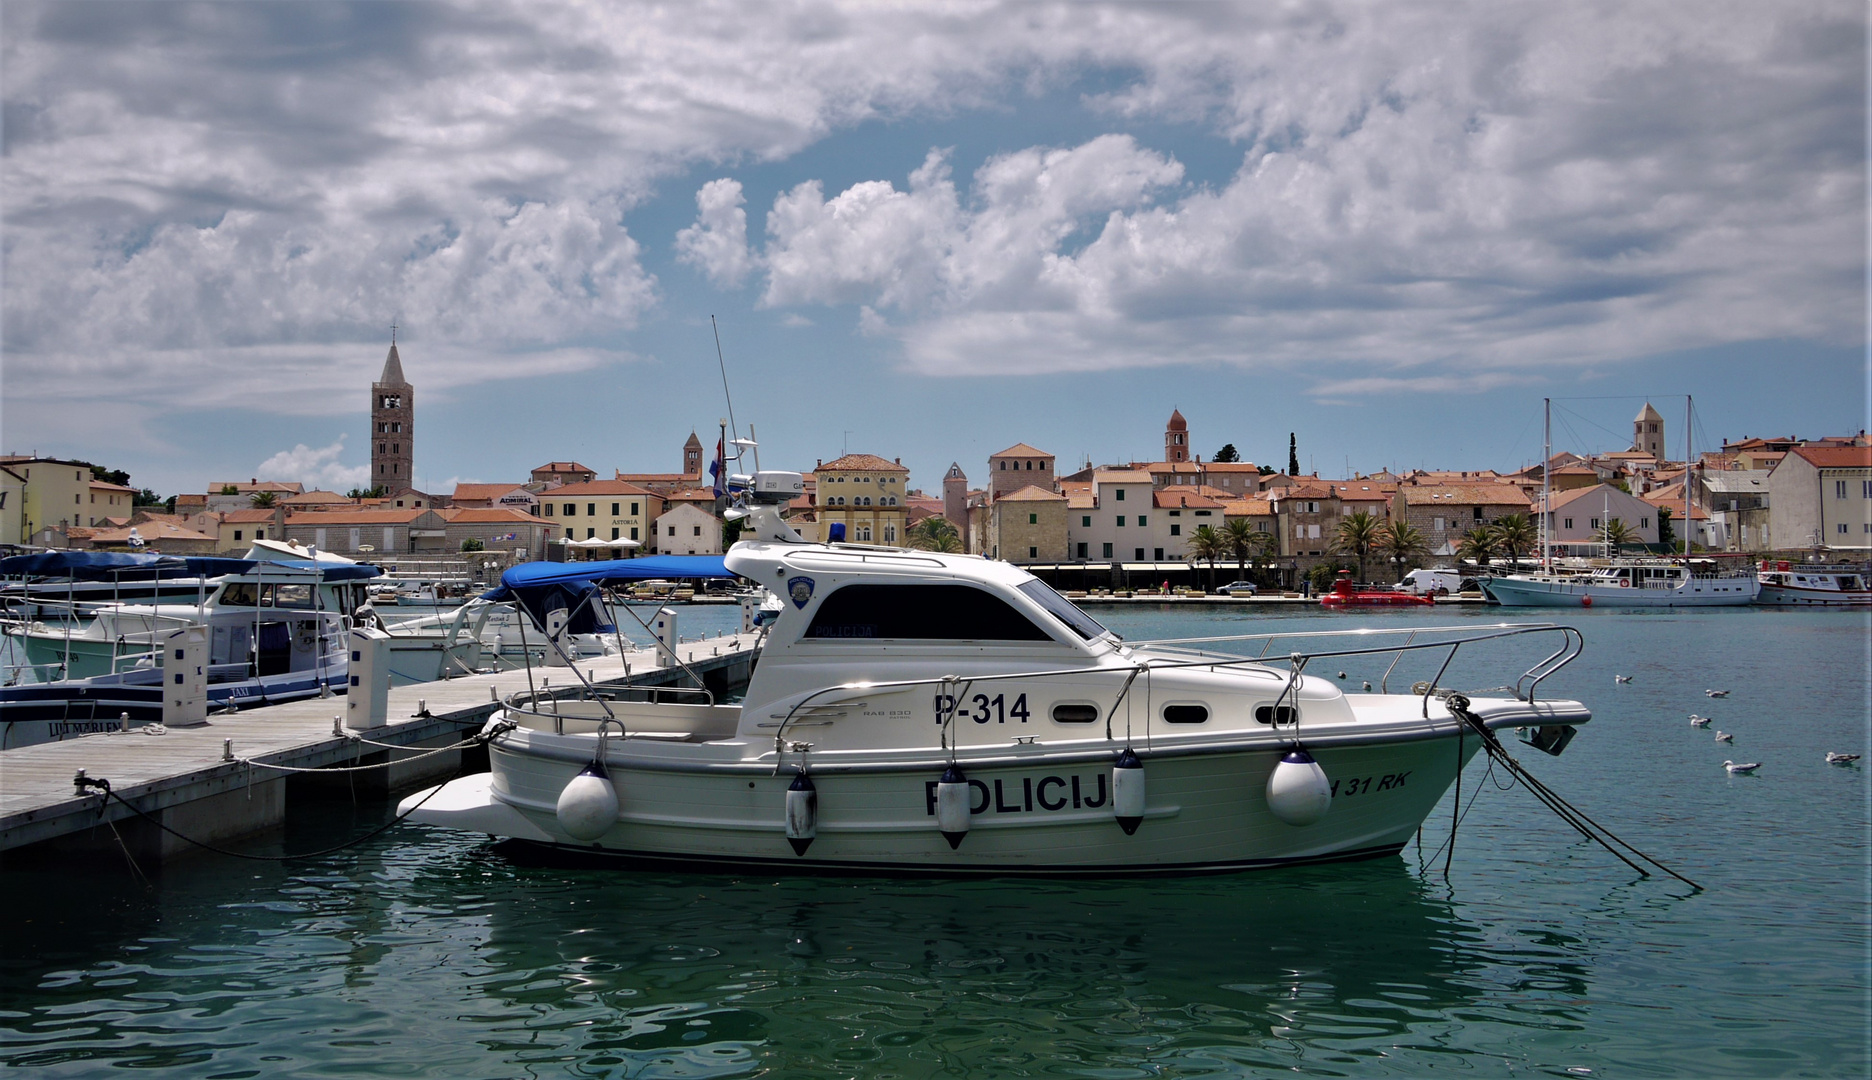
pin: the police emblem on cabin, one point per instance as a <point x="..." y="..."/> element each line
<point x="799" y="589"/>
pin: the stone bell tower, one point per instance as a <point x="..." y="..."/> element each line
<point x="393" y="425"/>
<point x="1648" y="432"/>
<point x="1176" y="438"/>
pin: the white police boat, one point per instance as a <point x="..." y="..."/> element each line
<point x="921" y="712"/>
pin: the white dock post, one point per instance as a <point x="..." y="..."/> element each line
<point x="185" y="677"/>
<point x="556" y="620"/>
<point x="665" y="628"/>
<point x="367" y="699"/>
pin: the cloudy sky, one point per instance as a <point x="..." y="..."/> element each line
<point x="926" y="231"/>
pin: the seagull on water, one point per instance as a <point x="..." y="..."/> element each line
<point x="1741" y="770"/>
<point x="1717" y="693"/>
<point x="1368" y="684"/>
<point x="1724" y="736"/>
<point x="1699" y="721"/>
<point x="1835" y="758"/>
<point x="1342" y="674"/>
<point x="1621" y="678"/>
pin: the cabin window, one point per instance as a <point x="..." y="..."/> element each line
<point x="1074" y="712"/>
<point x="920" y="612"/>
<point x="239" y="594"/>
<point x="1061" y="608"/>
<point x="1275" y="714"/>
<point x="1185" y="714"/>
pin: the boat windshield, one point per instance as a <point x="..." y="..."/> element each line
<point x="1063" y="609"/>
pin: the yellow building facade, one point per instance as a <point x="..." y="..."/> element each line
<point x="865" y="493"/>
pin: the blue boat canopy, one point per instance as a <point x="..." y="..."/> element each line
<point x="544" y="587"/>
<point x="118" y="565"/>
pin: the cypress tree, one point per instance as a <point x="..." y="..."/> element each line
<point x="1293" y="455"/>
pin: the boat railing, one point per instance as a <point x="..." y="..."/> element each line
<point x="954" y="687"/>
<point x="544" y="702"/>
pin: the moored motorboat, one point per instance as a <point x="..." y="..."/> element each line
<point x="915" y="711"/>
<point x="1801" y="585"/>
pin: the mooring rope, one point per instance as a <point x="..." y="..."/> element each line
<point x="1458" y="706"/>
<point x="103" y="787"/>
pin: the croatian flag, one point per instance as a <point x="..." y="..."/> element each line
<point x="715" y="469"/>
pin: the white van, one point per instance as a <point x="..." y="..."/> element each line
<point x="1433" y="582"/>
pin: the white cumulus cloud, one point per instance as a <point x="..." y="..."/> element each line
<point x="318" y="468"/>
<point x="717" y="243"/>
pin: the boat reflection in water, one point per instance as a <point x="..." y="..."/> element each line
<point x="802" y="975"/>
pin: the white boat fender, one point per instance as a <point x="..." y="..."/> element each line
<point x="952" y="806"/>
<point x="589" y="804"/>
<point x="802" y="813"/>
<point x="1128" y="791"/>
<point x="1297" y="790"/>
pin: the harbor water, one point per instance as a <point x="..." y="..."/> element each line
<point x="428" y="952"/>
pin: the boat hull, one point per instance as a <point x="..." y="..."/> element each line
<point x="1697" y="592"/>
<point x="1794" y="596"/>
<point x="1204" y="812"/>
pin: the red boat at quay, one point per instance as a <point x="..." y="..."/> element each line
<point x="1345" y="594"/>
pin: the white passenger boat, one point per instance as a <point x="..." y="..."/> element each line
<point x="265" y="587"/>
<point x="1627" y="583"/>
<point x="913" y="711"/>
<point x="1801" y="585"/>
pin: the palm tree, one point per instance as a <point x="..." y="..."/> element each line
<point x="1358" y="534"/>
<point x="1616" y="535"/>
<point x="1206" y="545"/>
<point x="1516" y="535"/>
<point x="1402" y="543"/>
<point x="934" y="534"/>
<point x="1241" y="538"/>
<point x="1478" y="544"/>
<point x="263" y="500"/>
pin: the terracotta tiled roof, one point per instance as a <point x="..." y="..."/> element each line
<point x="240" y="517"/>
<point x="283" y="487"/>
<point x="318" y="519"/>
<point x="1484" y="494"/>
<point x="151" y="532"/>
<point x="491" y="515"/>
<point x="654" y="477"/>
<point x="484" y="491"/>
<point x="863" y="463"/>
<point x="593" y="488"/>
<point x="1121" y="476"/>
<point x="1031" y="493"/>
<point x="1174" y="499"/>
<point x="314" y="498"/>
<point x="562" y="467"/>
<point x="1081" y="500"/>
<point x="1836" y="457"/>
<point x="1020" y="449"/>
<point x="99" y="485"/>
<point x="1231" y="466"/>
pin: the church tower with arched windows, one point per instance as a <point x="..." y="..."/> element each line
<point x="1176" y="438"/>
<point x="393" y="426"/>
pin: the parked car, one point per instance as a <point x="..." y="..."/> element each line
<point x="1238" y="588"/>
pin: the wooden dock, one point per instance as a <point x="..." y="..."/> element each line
<point x="211" y="782"/>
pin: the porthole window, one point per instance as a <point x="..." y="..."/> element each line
<point x="1185" y="714"/>
<point x="1075" y="713"/>
<point x="1272" y="714"/>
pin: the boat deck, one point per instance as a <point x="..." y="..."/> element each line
<point x="194" y="765"/>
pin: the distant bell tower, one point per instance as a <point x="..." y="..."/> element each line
<point x="393" y="425"/>
<point x="1176" y="438"/>
<point x="955" y="497"/>
<point x="1648" y="432"/>
<point x="692" y="457"/>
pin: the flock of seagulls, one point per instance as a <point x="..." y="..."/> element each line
<point x="1743" y="768"/>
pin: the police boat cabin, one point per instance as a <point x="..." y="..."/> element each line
<point x="946" y="713"/>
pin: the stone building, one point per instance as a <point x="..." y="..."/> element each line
<point x="866" y="494"/>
